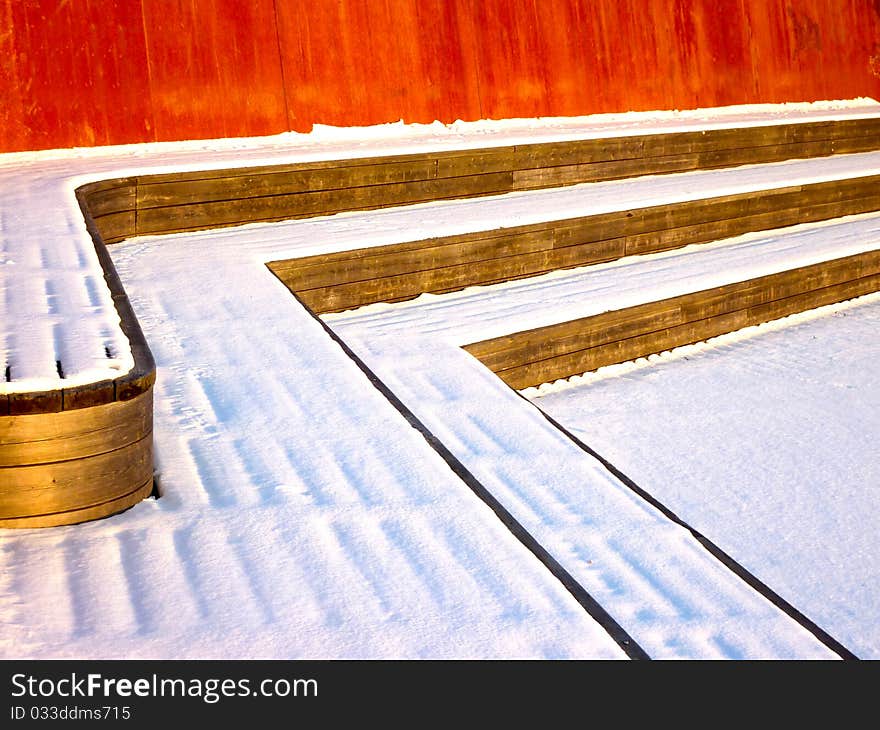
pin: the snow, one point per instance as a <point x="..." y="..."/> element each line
<point x="301" y="515"/>
<point x="413" y="347"/>
<point x="400" y="138"/>
<point x="482" y="313"/>
<point x="56" y="308"/>
<point x="765" y="440"/>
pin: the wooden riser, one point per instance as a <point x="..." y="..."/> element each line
<point x="176" y="202"/>
<point x="85" y="452"/>
<point x="74" y="517"/>
<point x="335" y="282"/>
<point x="544" y="354"/>
<point x="61" y="468"/>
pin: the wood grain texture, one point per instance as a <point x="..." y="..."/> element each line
<point x="47" y="437"/>
<point x="530" y="358"/>
<point x="171" y="203"/>
<point x="59" y="468"/>
<point x="281" y="206"/>
<point x="84" y="514"/>
<point x="339" y="281"/>
<point x="589" y="332"/>
<point x="182" y="69"/>
<point x="177" y="202"/>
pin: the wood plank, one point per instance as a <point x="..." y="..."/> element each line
<point x="543" y="343"/>
<point x="354" y="254"/>
<point x="120" y="198"/>
<point x="48" y="437"/>
<point x="656" y="218"/>
<point x="530" y="179"/>
<point x="646" y="147"/>
<point x="577" y="152"/>
<point x="476" y="162"/>
<point x="88" y="395"/>
<point x="48" y="401"/>
<point x="706" y="210"/>
<point x="815" y="298"/>
<point x="570" y="348"/>
<point x="782" y="285"/>
<point x="387" y="261"/>
<point x="347" y="296"/>
<point x="544" y="177"/>
<point x="76" y="484"/>
<point x="75" y="516"/>
<point x="538" y="155"/>
<point x="678" y="237"/>
<point x="582" y="361"/>
<point x="108" y="184"/>
<point x="849" y="145"/>
<point x="589" y="332"/>
<point x="246" y="171"/>
<point x="235" y="187"/>
<point x="116" y="227"/>
<point x="300" y="205"/>
<point x="854" y="128"/>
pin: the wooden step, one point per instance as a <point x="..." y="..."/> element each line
<point x="339" y="281"/>
<point x="558" y="351"/>
<point x="85" y="452"/>
<point x="189" y="201"/>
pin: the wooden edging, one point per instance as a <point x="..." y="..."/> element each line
<point x="338" y="281"/>
<point x="84" y="452"/>
<point x="66" y="467"/>
<point x="177" y="202"/>
<point x="544" y="354"/>
<point x="108" y="468"/>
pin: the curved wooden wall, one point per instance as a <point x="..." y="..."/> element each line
<point x="83" y="452"/>
<point x="150" y="70"/>
<point x="71" y="466"/>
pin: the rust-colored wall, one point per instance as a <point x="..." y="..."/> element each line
<point x="93" y="72"/>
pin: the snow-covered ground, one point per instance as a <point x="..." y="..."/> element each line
<point x="59" y="311"/>
<point x="302" y="515"/>
<point x="766" y="441"/>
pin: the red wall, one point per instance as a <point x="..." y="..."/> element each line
<point x="93" y="72"/>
